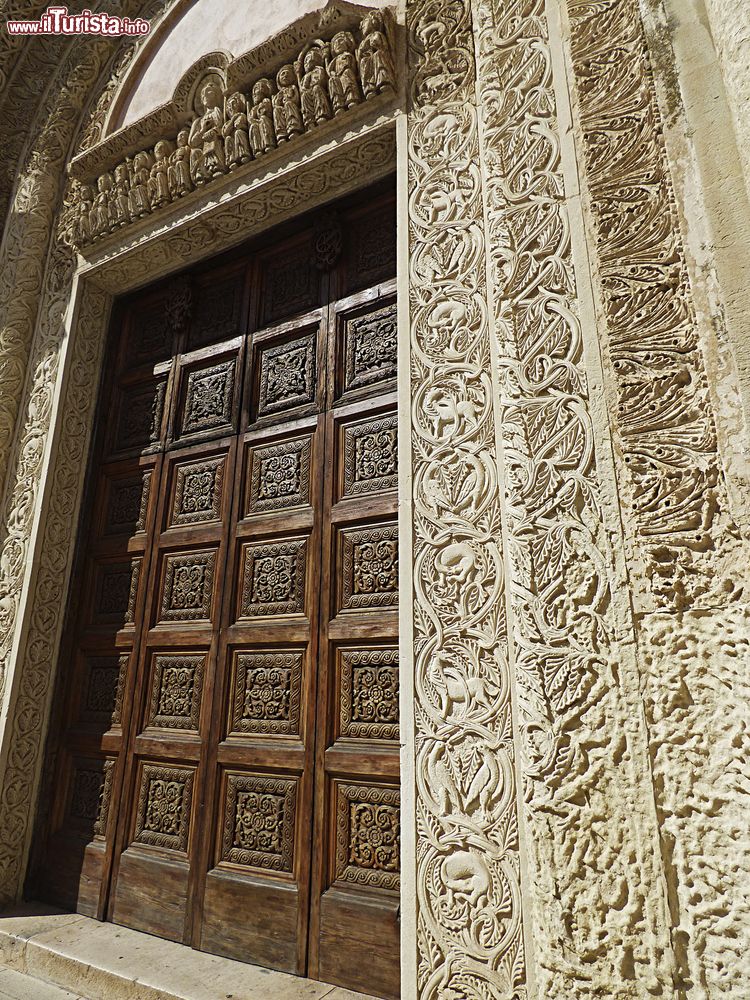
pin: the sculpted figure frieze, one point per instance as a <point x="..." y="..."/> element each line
<point x="235" y="132"/>
<point x="178" y="172"/>
<point x="231" y="127"/>
<point x="205" y="138"/>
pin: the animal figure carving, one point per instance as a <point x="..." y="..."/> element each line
<point x="467" y="880"/>
<point x="448" y="412"/>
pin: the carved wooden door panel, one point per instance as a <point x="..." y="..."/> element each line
<point x="227" y="764"/>
<point x="354" y="937"/>
<point x="158" y="837"/>
<point x="263" y="737"/>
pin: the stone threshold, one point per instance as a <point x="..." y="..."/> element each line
<point x="100" y="961"/>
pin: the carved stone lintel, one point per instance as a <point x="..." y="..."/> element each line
<point x="322" y="80"/>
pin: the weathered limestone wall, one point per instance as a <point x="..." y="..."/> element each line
<point x="729" y="24"/>
<point x="669" y="226"/>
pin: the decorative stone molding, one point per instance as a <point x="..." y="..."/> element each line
<point x="688" y="559"/>
<point x="192" y="227"/>
<point x="225" y="113"/>
<point x="469" y="930"/>
<point x="684" y="542"/>
<point x="591" y="828"/>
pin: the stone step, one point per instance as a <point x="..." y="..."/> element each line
<point x="99" y="961"/>
<point x="16" y="986"/>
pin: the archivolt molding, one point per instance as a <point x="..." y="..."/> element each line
<point x="597" y="909"/>
<point x="35" y="282"/>
<point x="684" y="542"/>
<point x="469" y="920"/>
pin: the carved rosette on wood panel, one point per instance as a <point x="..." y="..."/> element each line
<point x="469" y="927"/>
<point x="368" y="693"/>
<point x="165" y="801"/>
<point x="266" y="692"/>
<point x="89" y="797"/>
<point x="259" y="819"/>
<point x="279" y="476"/>
<point x="368" y="836"/>
<point x="198" y="492"/>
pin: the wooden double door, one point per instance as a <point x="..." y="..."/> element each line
<point x="225" y="766"/>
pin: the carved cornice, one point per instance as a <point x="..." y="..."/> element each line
<point x="226" y="113"/>
<point x="193" y="227"/>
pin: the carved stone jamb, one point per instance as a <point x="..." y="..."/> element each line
<point x="589" y="817"/>
<point x="466" y="936"/>
<point x="684" y="544"/>
<point x="688" y="559"/>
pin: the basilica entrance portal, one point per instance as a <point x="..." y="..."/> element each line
<point x="224" y="762"/>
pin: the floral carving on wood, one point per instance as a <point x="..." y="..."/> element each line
<point x="273" y="579"/>
<point x="198" y="491"/>
<point x="165" y="801"/>
<point x="371" y="348"/>
<point x="279" y="476"/>
<point x="127" y="504"/>
<point x="88" y="805"/>
<point x="368" y="836"/>
<point x="101" y="700"/>
<point x="371" y="456"/>
<point x="369" y="568"/>
<point x="266" y="694"/>
<point x="368" y="693"/>
<point x="176" y="689"/>
<point x="188" y="586"/>
<point x="259" y="822"/>
<point x="287" y="375"/>
<point x="209" y="395"/>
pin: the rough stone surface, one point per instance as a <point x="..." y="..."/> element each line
<point x="730" y="28"/>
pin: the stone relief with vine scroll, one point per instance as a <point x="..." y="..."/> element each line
<point x="469" y="921"/>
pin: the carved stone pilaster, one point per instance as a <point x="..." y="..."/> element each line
<point x="688" y="559"/>
<point x="469" y="938"/>
<point x="591" y="829"/>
